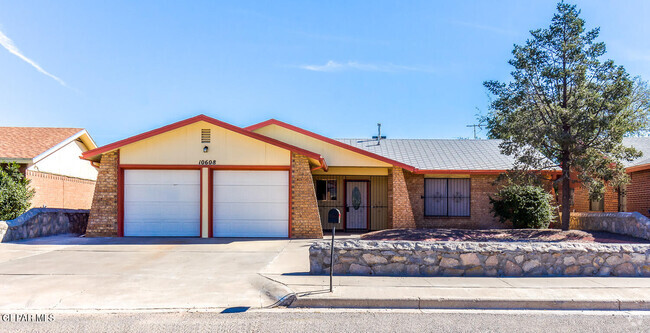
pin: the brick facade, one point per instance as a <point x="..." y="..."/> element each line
<point x="305" y="218"/>
<point x="581" y="199"/>
<point x="481" y="187"/>
<point x="103" y="214"/>
<point x="400" y="204"/>
<point x="56" y="191"/>
<point x="638" y="192"/>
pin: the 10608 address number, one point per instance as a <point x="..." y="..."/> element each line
<point x="207" y="162"/>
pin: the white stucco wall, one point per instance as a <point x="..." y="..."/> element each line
<point x="66" y="162"/>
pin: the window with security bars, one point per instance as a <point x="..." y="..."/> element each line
<point x="447" y="197"/>
<point x="205" y="135"/>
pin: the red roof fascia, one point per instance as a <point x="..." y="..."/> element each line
<point x="330" y="141"/>
<point x="167" y="128"/>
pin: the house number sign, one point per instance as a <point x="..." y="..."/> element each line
<point x="207" y="162"/>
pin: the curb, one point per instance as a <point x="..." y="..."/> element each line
<point x="459" y="303"/>
<point x="275" y="292"/>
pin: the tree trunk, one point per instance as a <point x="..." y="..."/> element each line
<point x="566" y="195"/>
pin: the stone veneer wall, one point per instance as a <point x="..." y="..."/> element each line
<point x="403" y="258"/>
<point x="305" y="217"/>
<point x="631" y="224"/>
<point x="39" y="222"/>
<point x="103" y="213"/>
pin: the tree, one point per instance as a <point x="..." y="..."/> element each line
<point x="566" y="109"/>
<point x="15" y="194"/>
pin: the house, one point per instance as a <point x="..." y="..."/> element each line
<point x="634" y="197"/>
<point x="201" y="177"/>
<point x="49" y="158"/>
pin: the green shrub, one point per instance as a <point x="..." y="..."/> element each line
<point x="526" y="206"/>
<point x="15" y="194"/>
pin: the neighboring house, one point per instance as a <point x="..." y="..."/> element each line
<point x="634" y="197"/>
<point x="49" y="158"/>
<point x="201" y="177"/>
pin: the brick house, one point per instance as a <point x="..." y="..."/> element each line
<point x="635" y="197"/>
<point x="49" y="158"/>
<point x="201" y="177"/>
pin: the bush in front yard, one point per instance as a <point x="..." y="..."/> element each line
<point x="15" y="194"/>
<point x="526" y="206"/>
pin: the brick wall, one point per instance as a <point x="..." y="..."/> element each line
<point x="480" y="215"/>
<point x="103" y="213"/>
<point x="638" y="192"/>
<point x="55" y="191"/>
<point x="581" y="199"/>
<point x="305" y="218"/>
<point x="400" y="204"/>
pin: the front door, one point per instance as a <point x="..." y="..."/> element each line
<point x="356" y="205"/>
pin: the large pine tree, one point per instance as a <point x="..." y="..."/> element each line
<point x="566" y="108"/>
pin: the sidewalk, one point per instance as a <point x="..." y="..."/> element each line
<point x="291" y="268"/>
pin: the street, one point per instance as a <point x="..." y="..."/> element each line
<point x="283" y="320"/>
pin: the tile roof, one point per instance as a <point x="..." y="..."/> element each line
<point x="439" y="154"/>
<point x="29" y="142"/>
<point x="642" y="144"/>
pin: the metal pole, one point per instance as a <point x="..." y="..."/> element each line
<point x="332" y="259"/>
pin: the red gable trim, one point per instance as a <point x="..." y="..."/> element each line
<point x="330" y="141"/>
<point x="145" y="135"/>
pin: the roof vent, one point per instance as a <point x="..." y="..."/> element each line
<point x="205" y="135"/>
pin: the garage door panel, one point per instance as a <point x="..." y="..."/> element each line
<point x="161" y="177"/>
<point x="162" y="193"/>
<point x="162" y="202"/>
<point x="251" y="228"/>
<point x="250" y="203"/>
<point x="260" y="194"/>
<point x="252" y="211"/>
<point x="254" y="178"/>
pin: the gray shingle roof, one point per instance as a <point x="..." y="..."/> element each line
<point x="642" y="144"/>
<point x="454" y="154"/>
<point x="439" y="154"/>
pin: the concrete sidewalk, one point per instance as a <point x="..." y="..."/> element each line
<point x="291" y="268"/>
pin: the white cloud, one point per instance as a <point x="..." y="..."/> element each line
<point x="8" y="44"/>
<point x="333" y="66"/>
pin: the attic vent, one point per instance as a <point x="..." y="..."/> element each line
<point x="205" y="135"/>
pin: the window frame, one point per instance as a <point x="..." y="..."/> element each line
<point x="424" y="197"/>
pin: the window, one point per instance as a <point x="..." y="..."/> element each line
<point x="447" y="197"/>
<point x="597" y="205"/>
<point x="326" y="189"/>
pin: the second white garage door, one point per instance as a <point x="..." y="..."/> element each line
<point x="250" y="203"/>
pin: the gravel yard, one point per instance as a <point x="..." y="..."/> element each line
<point x="501" y="235"/>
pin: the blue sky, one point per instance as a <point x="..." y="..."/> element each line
<point x="336" y="68"/>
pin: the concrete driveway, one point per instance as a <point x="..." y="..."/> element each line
<point x="68" y="272"/>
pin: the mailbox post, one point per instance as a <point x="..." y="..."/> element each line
<point x="333" y="216"/>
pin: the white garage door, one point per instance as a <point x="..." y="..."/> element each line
<point x="251" y="204"/>
<point x="162" y="202"/>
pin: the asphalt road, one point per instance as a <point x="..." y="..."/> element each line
<point x="342" y="321"/>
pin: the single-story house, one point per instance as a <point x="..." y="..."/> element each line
<point x="49" y="158"/>
<point x="201" y="177"/>
<point x="634" y="197"/>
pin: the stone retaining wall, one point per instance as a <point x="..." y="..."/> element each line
<point x="39" y="222"/>
<point x="405" y="258"/>
<point x="632" y="224"/>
